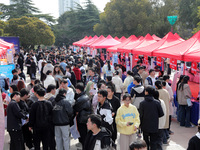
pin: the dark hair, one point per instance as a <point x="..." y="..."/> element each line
<point x="92" y="69"/>
<point x="166" y="77"/>
<point x="41" y="92"/>
<point x="111" y="88"/>
<point x="100" y="84"/>
<point x="158" y="83"/>
<point x="37" y="86"/>
<point x="37" y="81"/>
<point x="109" y="78"/>
<point x="144" y="67"/>
<point x="80" y="86"/>
<point x="62" y="92"/>
<point x="138" y="144"/>
<point x="125" y="96"/>
<point x="129" y="73"/>
<point x="48" y="72"/>
<point x="109" y="67"/>
<point x="95" y="119"/>
<point x="137" y="79"/>
<point x="156" y="94"/>
<point x="50" y="88"/>
<point x="102" y="81"/>
<point x="90" y="64"/>
<point x="14" y="71"/>
<point x="14" y="93"/>
<point x="14" y="87"/>
<point x="150" y="90"/>
<point x="164" y="83"/>
<point x="20" y="85"/>
<point x="185" y="81"/>
<point x="141" y="67"/>
<point x="116" y="72"/>
<point x="151" y="70"/>
<point x="104" y="93"/>
<point x="24" y="92"/>
<point x="62" y="59"/>
<point x="70" y="69"/>
<point x="15" y="77"/>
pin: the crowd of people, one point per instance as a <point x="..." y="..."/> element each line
<point x="70" y="89"/>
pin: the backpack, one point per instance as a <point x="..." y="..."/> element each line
<point x="42" y="115"/>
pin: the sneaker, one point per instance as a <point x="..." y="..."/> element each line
<point x="78" y="145"/>
<point x="171" y="132"/>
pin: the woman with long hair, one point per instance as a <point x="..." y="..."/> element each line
<point x="43" y="76"/>
<point x="108" y="69"/>
<point x="20" y="85"/>
<point x="184" y="94"/>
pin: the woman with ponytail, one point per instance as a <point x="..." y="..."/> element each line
<point x="108" y="69"/>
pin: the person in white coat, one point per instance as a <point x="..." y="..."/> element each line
<point x="117" y="81"/>
<point x="128" y="80"/>
<point x="49" y="79"/>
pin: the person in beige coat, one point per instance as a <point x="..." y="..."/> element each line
<point x="117" y="81"/>
<point x="164" y="95"/>
<point x="184" y="94"/>
<point x="128" y="80"/>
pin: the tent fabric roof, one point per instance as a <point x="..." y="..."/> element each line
<point x="140" y="43"/>
<point x="86" y="37"/>
<point x="116" y="38"/>
<point x="5" y="44"/>
<point x="169" y="40"/>
<point x="108" y="42"/>
<point x="122" y="39"/>
<point x="89" y="41"/>
<point x="80" y="43"/>
<point x="115" y="48"/>
<point x="156" y="37"/>
<point x="179" y="51"/>
<point x="99" y="40"/>
<point x="176" y="34"/>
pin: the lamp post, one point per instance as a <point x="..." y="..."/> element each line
<point x="172" y="20"/>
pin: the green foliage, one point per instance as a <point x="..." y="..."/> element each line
<point x="31" y="31"/>
<point x="23" y="8"/>
<point x="75" y="24"/>
<point x="2" y="27"/>
<point x="198" y="24"/>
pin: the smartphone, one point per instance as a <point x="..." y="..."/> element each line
<point x="130" y="123"/>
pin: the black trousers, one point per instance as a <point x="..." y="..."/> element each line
<point x="28" y="136"/>
<point x="82" y="128"/>
<point x="16" y="140"/>
<point x="151" y="140"/>
<point x="41" y="135"/>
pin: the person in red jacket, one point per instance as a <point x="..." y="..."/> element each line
<point x="77" y="73"/>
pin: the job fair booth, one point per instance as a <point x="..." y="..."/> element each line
<point x="154" y="51"/>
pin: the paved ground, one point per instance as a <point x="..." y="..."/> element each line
<point x="179" y="140"/>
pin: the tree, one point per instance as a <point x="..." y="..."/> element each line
<point x="31" y="31"/>
<point x="198" y="24"/>
<point x="75" y="24"/>
<point x="23" y="8"/>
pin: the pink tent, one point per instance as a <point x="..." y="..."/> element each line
<point x="179" y="51"/>
<point x="75" y="43"/>
<point x="89" y="41"/>
<point x="169" y="40"/>
<point x="122" y="39"/>
<point x="130" y="39"/>
<point x="116" y="38"/>
<point x="6" y="44"/>
<point x="99" y="40"/>
<point x="80" y="43"/>
<point x="108" y="42"/>
<point x="176" y="34"/>
<point x="156" y="37"/>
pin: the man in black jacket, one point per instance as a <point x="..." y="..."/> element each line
<point x="150" y="112"/>
<point x="82" y="108"/>
<point x="61" y="115"/>
<point x="40" y="120"/>
<point x="14" y="124"/>
<point x="97" y="137"/>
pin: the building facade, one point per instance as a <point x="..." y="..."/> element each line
<point x="66" y="5"/>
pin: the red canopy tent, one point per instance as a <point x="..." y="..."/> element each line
<point x="75" y="43"/>
<point x="78" y="43"/>
<point x="89" y="41"/>
<point x="176" y="34"/>
<point x="116" y="38"/>
<point x="156" y="37"/>
<point x="115" y="48"/>
<point x="99" y="40"/>
<point x="122" y="39"/>
<point x="169" y="40"/>
<point x="5" y="44"/>
<point x="178" y="51"/>
<point x="108" y="42"/>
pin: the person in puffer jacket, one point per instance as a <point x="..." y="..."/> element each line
<point x="61" y="116"/>
<point x="137" y="92"/>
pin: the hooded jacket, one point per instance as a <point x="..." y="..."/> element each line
<point x="150" y="112"/>
<point x="62" y="111"/>
<point x="77" y="73"/>
<point x="137" y="93"/>
<point x="100" y="141"/>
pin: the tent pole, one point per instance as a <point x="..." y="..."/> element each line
<point x="151" y="62"/>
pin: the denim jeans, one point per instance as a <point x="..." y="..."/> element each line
<point x="184" y="111"/>
<point x="165" y="135"/>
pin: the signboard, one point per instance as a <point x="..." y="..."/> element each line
<point x="115" y="58"/>
<point x="159" y="61"/>
<point x="14" y="40"/>
<point x="173" y="63"/>
<point x="194" y="68"/>
<point x="7" y="70"/>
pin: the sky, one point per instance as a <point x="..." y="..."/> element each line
<point x="51" y="6"/>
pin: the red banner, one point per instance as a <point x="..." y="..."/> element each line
<point x="159" y="61"/>
<point x="173" y="63"/>
<point x="102" y="56"/>
<point x="136" y="57"/>
<point x="146" y="60"/>
<point x="194" y="68"/>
